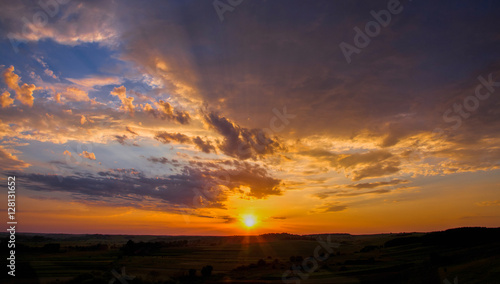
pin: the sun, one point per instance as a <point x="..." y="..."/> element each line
<point x="249" y="221"/>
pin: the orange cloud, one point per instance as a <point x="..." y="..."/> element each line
<point x="24" y="93"/>
<point x="93" y="81"/>
<point x="165" y="110"/>
<point x="488" y="203"/>
<point x="67" y="153"/>
<point x="375" y="163"/>
<point x="127" y="103"/>
<point x="6" y="100"/>
<point x="10" y="162"/>
<point x="57" y="97"/>
<point x="75" y="94"/>
<point x="88" y="155"/>
<point x="147" y="107"/>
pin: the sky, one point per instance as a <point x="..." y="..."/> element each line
<point x="189" y="117"/>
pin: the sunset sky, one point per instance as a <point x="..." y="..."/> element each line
<point x="186" y="117"/>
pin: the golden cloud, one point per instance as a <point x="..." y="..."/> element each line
<point x="24" y="93"/>
<point x="87" y="155"/>
<point x="127" y="103"/>
<point x="76" y="95"/>
<point x="10" y="161"/>
<point x="93" y="81"/>
<point x="6" y="100"/>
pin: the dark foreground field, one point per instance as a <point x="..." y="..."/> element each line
<point x="464" y="255"/>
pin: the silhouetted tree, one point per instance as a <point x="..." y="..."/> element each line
<point x="128" y="248"/>
<point x="206" y="271"/>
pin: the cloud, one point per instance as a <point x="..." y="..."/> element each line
<point x="131" y="188"/>
<point x="48" y="121"/>
<point x="47" y="71"/>
<point x="374" y="163"/>
<point x="249" y="180"/>
<point x="70" y="23"/>
<point x="256" y="178"/>
<point x="192" y="187"/>
<point x="354" y="160"/>
<point x="67" y="153"/>
<point x="165" y="137"/>
<point x="345" y="190"/>
<point x="57" y="98"/>
<point x="378" y="170"/>
<point x="127" y="102"/>
<point x="165" y="110"/>
<point x="24" y="93"/>
<point x="87" y="155"/>
<point x="488" y="203"/>
<point x="121" y="139"/>
<point x="50" y="73"/>
<point x="348" y="160"/>
<point x="461" y="157"/>
<point x="95" y="81"/>
<point x="10" y="161"/>
<point x="229" y="219"/>
<point x="6" y="100"/>
<point x="389" y="110"/>
<point x="330" y="207"/>
<point x="335" y="208"/>
<point x="376" y="184"/>
<point x="323" y="83"/>
<point x="130" y="130"/>
<point x="161" y="160"/>
<point x="326" y="194"/>
<point x="240" y="142"/>
<point x="377" y="191"/>
<point x="204" y="146"/>
<point x="333" y="96"/>
<point x="478" y="217"/>
<point x="72" y="94"/>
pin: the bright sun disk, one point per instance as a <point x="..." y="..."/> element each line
<point x="249" y="221"/>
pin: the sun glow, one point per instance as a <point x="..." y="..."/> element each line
<point x="249" y="221"/>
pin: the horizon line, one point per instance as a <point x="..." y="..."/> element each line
<point x="389" y="233"/>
